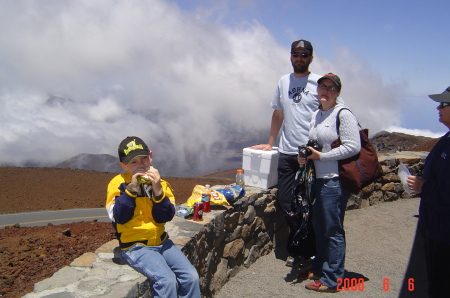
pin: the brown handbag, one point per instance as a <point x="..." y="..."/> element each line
<point x="361" y="169"/>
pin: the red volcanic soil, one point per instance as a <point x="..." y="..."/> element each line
<point x="426" y="146"/>
<point x="31" y="254"/>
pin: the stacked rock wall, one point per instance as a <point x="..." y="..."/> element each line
<point x="234" y="239"/>
<point x="388" y="187"/>
<point x="243" y="233"/>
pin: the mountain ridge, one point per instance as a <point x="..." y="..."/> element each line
<point x="92" y="162"/>
<point x="383" y="142"/>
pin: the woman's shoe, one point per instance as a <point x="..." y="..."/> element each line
<point x="318" y="286"/>
<point x="307" y="275"/>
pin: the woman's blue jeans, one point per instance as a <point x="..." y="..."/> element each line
<point x="328" y="224"/>
<point x="172" y="273"/>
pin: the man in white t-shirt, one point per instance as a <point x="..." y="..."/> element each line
<point x="294" y="102"/>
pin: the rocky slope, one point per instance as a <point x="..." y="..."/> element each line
<point x="395" y="141"/>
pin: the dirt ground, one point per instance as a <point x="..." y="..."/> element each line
<point x="31" y="254"/>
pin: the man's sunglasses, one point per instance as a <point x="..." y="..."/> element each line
<point x="329" y="88"/>
<point x="444" y="104"/>
<point x="300" y="55"/>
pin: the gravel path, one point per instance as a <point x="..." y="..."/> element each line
<point x="382" y="248"/>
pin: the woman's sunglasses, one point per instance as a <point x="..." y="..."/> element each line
<point x="329" y="88"/>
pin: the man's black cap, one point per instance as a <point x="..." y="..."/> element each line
<point x="302" y="45"/>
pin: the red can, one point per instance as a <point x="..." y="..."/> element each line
<point x="206" y="199"/>
<point x="198" y="211"/>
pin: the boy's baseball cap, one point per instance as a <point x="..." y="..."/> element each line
<point x="443" y="97"/>
<point x="130" y="148"/>
<point x="302" y="45"/>
<point x="333" y="77"/>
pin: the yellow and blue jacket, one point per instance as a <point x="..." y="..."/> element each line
<point x="138" y="218"/>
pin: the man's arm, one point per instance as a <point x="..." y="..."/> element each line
<point x="277" y="121"/>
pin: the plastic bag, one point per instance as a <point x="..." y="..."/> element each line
<point x="231" y="192"/>
<point x="196" y="196"/>
<point x="184" y="212"/>
<point x="403" y="173"/>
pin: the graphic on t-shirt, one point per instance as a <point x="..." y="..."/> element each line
<point x="296" y="94"/>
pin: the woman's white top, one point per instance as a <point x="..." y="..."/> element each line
<point x="323" y="129"/>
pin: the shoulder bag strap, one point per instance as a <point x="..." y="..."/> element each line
<point x="338" y="121"/>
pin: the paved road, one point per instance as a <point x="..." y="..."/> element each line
<point x="42" y="218"/>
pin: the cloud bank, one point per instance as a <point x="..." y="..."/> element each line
<point x="79" y="76"/>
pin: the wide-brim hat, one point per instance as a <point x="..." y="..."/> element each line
<point x="443" y="97"/>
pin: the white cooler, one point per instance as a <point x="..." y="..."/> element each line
<point x="260" y="167"/>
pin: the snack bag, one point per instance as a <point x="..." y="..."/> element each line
<point x="218" y="198"/>
<point x="231" y="192"/>
<point x="196" y="196"/>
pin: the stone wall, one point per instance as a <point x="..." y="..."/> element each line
<point x="240" y="235"/>
<point x="388" y="188"/>
<point x="234" y="238"/>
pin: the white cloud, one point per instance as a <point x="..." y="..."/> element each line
<point x="106" y="110"/>
<point x="375" y="105"/>
<point x="79" y="76"/>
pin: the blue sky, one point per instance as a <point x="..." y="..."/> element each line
<point x="405" y="42"/>
<point x="192" y="77"/>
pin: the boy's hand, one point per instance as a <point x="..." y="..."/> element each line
<point x="151" y="174"/>
<point x="136" y="176"/>
<point x="155" y="179"/>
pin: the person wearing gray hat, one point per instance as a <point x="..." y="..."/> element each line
<point x="442" y="97"/>
<point x="433" y="187"/>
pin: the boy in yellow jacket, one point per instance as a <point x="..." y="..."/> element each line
<point x="139" y="203"/>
